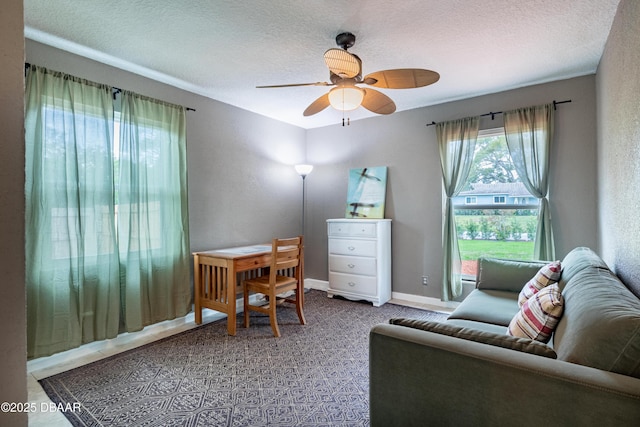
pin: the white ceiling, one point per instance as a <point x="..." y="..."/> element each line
<point x="222" y="49"/>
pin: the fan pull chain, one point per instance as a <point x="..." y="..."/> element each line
<point x="348" y="119"/>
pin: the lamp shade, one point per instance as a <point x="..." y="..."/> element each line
<point x="346" y="98"/>
<point x="303" y="170"/>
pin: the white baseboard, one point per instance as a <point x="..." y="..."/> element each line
<point x="418" y="299"/>
<point x="323" y="285"/>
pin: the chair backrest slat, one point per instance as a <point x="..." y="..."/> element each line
<point x="286" y="254"/>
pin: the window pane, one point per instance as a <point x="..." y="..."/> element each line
<point x="484" y="229"/>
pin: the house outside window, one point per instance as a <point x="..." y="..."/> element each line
<point x="502" y="220"/>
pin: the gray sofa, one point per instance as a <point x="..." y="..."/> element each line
<point x="468" y="372"/>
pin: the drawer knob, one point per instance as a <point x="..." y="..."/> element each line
<point x="352" y="248"/>
<point x="352" y="284"/>
<point x="351" y="265"/>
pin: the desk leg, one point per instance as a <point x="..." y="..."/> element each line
<point x="197" y="285"/>
<point x="231" y="298"/>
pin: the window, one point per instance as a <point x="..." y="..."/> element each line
<point x="82" y="229"/>
<point x="485" y="229"/>
<point x="149" y="210"/>
<point x="65" y="243"/>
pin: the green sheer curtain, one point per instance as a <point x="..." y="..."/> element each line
<point x="107" y="237"/>
<point x="529" y="132"/>
<point x="456" y="141"/>
<point x="153" y="228"/>
<point x="71" y="254"/>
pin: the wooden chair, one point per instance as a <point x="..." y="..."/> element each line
<point x="285" y="274"/>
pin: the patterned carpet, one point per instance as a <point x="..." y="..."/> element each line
<point x="314" y="375"/>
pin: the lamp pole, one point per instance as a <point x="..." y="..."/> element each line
<point x="303" y="171"/>
<point x="303" y="197"/>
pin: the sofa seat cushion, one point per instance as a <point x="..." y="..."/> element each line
<point x="498" y="340"/>
<point x="600" y="326"/>
<point x="488" y="306"/>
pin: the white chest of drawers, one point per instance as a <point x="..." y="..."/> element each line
<point x="360" y="259"/>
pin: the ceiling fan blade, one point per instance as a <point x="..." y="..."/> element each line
<point x="317" y="105"/>
<point x="402" y="78"/>
<point x="378" y="102"/>
<point x="342" y="63"/>
<point x="297" y="84"/>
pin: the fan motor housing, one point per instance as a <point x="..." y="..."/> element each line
<point x="345" y="40"/>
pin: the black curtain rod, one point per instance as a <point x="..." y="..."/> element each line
<point x="493" y="114"/>
<point x="116" y="90"/>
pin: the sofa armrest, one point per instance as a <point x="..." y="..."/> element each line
<point x="505" y="274"/>
<point x="485" y="337"/>
<point x="422" y="378"/>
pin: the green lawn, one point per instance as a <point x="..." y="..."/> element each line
<point x="473" y="249"/>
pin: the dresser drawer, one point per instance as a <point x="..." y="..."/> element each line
<point x="363" y="285"/>
<point x="352" y="229"/>
<point x="352" y="247"/>
<point x="352" y="265"/>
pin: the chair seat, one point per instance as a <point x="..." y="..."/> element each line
<point x="263" y="281"/>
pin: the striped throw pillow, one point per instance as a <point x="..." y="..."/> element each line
<point x="547" y="275"/>
<point x="539" y="315"/>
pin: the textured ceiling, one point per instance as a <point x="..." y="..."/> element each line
<point x="222" y="49"/>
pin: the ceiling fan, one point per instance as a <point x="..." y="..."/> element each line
<point x="345" y="73"/>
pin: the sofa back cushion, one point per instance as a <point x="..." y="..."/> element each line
<point x="577" y="260"/>
<point x="600" y="326"/>
<point x="505" y="274"/>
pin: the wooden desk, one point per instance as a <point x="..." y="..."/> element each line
<point x="218" y="275"/>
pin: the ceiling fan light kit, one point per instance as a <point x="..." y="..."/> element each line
<point x="345" y="72"/>
<point x="346" y="98"/>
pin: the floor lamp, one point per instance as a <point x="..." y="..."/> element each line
<point x="303" y="171"/>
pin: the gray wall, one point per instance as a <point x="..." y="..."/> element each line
<point x="408" y="147"/>
<point x="400" y="141"/>
<point x="13" y="329"/>
<point x="243" y="188"/>
<point x="618" y="89"/>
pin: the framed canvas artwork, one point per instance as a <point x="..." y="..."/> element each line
<point x="366" y="192"/>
